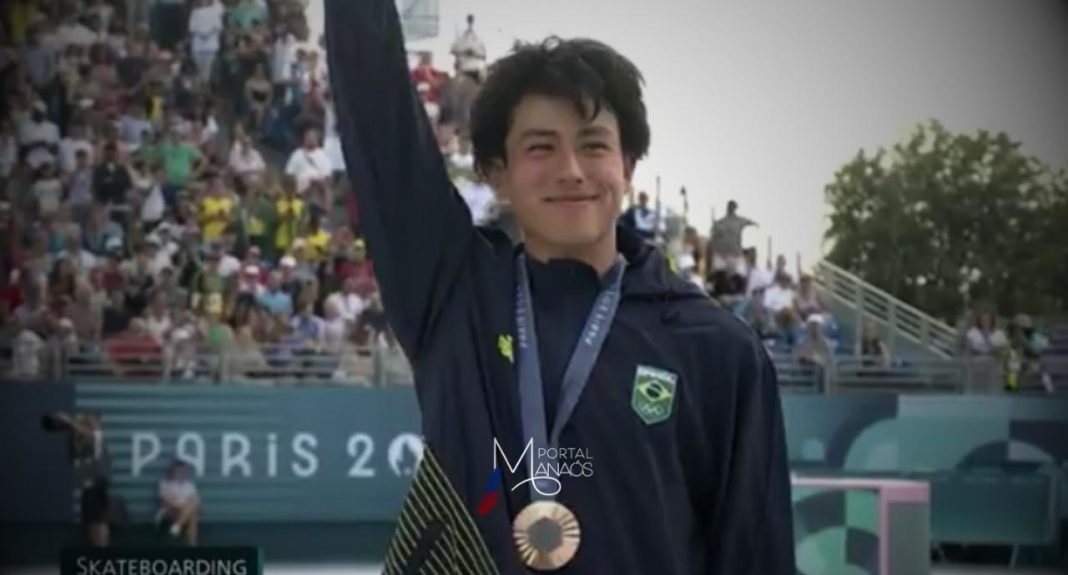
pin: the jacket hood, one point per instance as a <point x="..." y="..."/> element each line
<point x="648" y="273"/>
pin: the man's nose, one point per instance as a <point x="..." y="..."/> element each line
<point x="571" y="173"/>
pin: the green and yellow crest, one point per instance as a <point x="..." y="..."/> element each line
<point x="653" y="397"/>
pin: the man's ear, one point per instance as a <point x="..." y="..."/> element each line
<point x="494" y="175"/>
<point x="628" y="169"/>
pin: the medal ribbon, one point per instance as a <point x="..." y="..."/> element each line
<point x="577" y="375"/>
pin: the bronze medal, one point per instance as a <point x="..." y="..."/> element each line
<point x="547" y="534"/>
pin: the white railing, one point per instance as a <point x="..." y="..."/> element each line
<point x="873" y="304"/>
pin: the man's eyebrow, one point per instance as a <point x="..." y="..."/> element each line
<point x="595" y="130"/>
<point x="537" y="133"/>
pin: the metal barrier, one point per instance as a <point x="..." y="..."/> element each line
<point x="873" y="304"/>
<point x="917" y="376"/>
<point x="383" y="366"/>
<point x="797" y="376"/>
<point x="377" y="366"/>
<point x="1051" y="373"/>
<point x="858" y="373"/>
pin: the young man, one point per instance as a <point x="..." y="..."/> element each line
<point x="668" y="417"/>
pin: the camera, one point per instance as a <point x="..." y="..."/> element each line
<point x="62" y="421"/>
<point x="53" y="421"/>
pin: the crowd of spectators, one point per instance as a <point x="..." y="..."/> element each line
<point x="795" y="323"/>
<point x="173" y="203"/>
<point x="1008" y="358"/>
<point x="784" y="309"/>
<point x="173" y="198"/>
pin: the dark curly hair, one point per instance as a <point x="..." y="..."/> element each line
<point x="582" y="71"/>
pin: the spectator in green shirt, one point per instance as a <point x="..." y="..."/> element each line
<point x="149" y="152"/>
<point x="246" y="13"/>
<point x="259" y="220"/>
<point x="180" y="160"/>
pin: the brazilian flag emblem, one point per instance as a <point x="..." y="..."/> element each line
<point x="653" y="397"/>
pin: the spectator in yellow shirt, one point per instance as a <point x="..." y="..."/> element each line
<point x="216" y="210"/>
<point x="288" y="210"/>
<point x="19" y="15"/>
<point x="317" y="240"/>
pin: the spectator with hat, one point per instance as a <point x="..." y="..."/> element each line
<point x="249" y="282"/>
<point x="359" y="267"/>
<point x="291" y="283"/>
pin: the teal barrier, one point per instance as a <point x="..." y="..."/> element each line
<point x="993" y="507"/>
<point x="277" y="454"/>
<point x="342" y="454"/>
<point x="996" y="464"/>
<point x="922" y="433"/>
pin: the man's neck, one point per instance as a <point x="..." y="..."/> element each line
<point x="600" y="255"/>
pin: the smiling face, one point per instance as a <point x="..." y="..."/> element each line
<point x="556" y="130"/>
<point x="565" y="176"/>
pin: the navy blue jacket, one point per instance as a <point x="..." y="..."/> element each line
<point x="705" y="491"/>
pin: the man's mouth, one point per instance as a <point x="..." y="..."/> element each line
<point x="571" y="200"/>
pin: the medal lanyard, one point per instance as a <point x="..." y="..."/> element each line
<point x="579" y="367"/>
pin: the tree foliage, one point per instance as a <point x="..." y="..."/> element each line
<point x="946" y="220"/>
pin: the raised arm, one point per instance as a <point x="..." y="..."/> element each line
<point x="417" y="227"/>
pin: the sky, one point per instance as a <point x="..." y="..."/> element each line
<point x="761" y="101"/>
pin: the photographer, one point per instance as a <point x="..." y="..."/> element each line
<point x="92" y="464"/>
